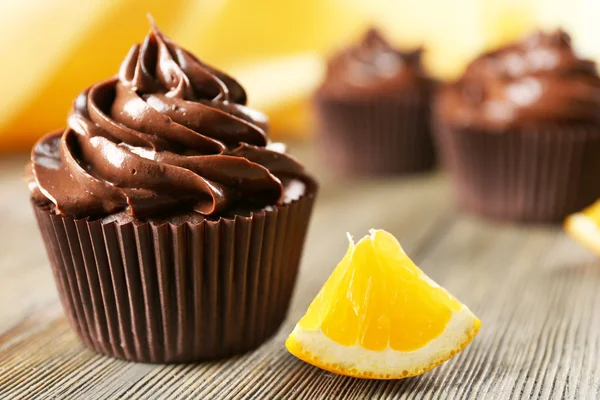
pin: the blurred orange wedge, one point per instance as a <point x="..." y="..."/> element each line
<point x="584" y="227"/>
<point x="281" y="87"/>
<point x="58" y="48"/>
<point x="379" y="316"/>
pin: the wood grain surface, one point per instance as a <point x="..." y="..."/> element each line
<point x="535" y="290"/>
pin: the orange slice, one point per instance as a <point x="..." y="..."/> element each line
<point x="379" y="316"/>
<point x="584" y="227"/>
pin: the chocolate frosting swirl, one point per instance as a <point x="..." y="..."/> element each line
<point x="373" y="67"/>
<point x="168" y="135"/>
<point x="538" y="80"/>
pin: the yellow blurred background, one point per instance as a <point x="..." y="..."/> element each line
<point x="52" y="49"/>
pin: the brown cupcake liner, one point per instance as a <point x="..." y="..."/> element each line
<point x="376" y="136"/>
<point x="164" y="293"/>
<point x="532" y="174"/>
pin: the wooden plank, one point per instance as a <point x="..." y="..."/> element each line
<point x="535" y="290"/>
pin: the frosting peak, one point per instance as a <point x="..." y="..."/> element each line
<point x="158" y="64"/>
<point x="168" y="134"/>
<point x="539" y="79"/>
<point x="373" y="67"/>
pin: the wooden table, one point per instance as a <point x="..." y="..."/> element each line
<point x="536" y="291"/>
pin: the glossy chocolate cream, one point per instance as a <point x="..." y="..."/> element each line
<point x="373" y="68"/>
<point x="168" y="136"/>
<point x="538" y="80"/>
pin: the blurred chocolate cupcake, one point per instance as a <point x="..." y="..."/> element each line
<point x="520" y="131"/>
<point x="373" y="110"/>
<point x="173" y="226"/>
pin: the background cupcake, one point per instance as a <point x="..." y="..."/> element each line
<point x="520" y="131"/>
<point x="173" y="227"/>
<point x="374" y="110"/>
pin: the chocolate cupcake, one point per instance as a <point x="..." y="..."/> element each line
<point x="520" y="131"/>
<point x="173" y="226"/>
<point x="373" y="110"/>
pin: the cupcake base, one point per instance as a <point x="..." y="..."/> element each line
<point x="376" y="136"/>
<point x="164" y="293"/>
<point x="532" y="174"/>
